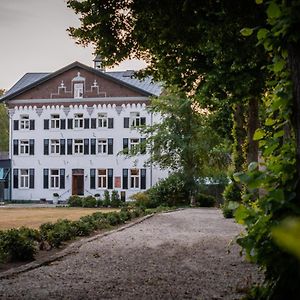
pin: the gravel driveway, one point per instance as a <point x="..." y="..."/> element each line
<point x="178" y="255"/>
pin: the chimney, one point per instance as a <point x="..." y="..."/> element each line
<point x="98" y="63"/>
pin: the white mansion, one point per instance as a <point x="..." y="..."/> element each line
<point x="68" y="129"/>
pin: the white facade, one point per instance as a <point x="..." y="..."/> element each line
<point x="68" y="148"/>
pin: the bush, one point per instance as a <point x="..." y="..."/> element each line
<point x="232" y="192"/>
<point x="113" y="218"/>
<point x="82" y="228"/>
<point x="125" y="214"/>
<point x="17" y="244"/>
<point x="106" y="200"/>
<point x="204" y="200"/>
<point x="100" y="203"/>
<point x="142" y="200"/>
<point x="115" y="199"/>
<point x="75" y="201"/>
<point x="89" y="201"/>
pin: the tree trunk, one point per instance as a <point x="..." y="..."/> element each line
<point x="253" y="122"/>
<point x="294" y="64"/>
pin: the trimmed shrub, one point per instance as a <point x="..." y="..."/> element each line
<point x="142" y="200"/>
<point x="115" y="199"/>
<point x="125" y="214"/>
<point x="106" y="199"/>
<point x="75" y="201"/>
<point x="82" y="228"/>
<point x="89" y="201"/>
<point x="204" y="200"/>
<point x="100" y="203"/>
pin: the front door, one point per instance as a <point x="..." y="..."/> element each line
<point x="78" y="182"/>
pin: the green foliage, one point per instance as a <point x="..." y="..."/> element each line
<point x="142" y="199"/>
<point x="106" y="199"/>
<point x="89" y="201"/>
<point x="75" y="201"/>
<point x="18" y="244"/>
<point x="115" y="199"/>
<point x="4" y="127"/>
<point x="204" y="200"/>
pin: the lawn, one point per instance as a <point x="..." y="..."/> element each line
<point x="34" y="217"/>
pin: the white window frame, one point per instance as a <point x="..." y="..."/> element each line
<point x="78" y="121"/>
<point x="134" y="144"/>
<point x="24" y="147"/>
<point x="24" y="179"/>
<point x="55" y="121"/>
<point x="102" y="146"/>
<point x="78" y="146"/>
<point x="55" y="145"/>
<point x="134" y="178"/>
<point x="54" y="179"/>
<point x="135" y="119"/>
<point x="102" y="120"/>
<point x="24" y="122"/>
<point x="78" y="90"/>
<point x="102" y="178"/>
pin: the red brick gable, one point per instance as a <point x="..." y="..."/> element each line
<point x="95" y="86"/>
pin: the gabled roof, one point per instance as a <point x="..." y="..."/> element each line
<point x="30" y="80"/>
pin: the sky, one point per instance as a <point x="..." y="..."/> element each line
<point x="34" y="39"/>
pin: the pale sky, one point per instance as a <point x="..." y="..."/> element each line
<point x="34" y="39"/>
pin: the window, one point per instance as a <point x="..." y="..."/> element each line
<point x="134" y="178"/>
<point x="102" y="120"/>
<point x="78" y="90"/>
<point x="78" y="146"/>
<point x="135" y="119"/>
<point x="102" y="178"/>
<point x="54" y="178"/>
<point x="24" y="147"/>
<point x="102" y="146"/>
<point x="134" y="144"/>
<point x="24" y="178"/>
<point x="24" y="122"/>
<point x="54" y="147"/>
<point x="78" y="121"/>
<point x="55" y="121"/>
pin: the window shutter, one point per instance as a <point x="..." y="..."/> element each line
<point x="93" y="146"/>
<point x="69" y="146"/>
<point x="92" y="178"/>
<point x="126" y="122"/>
<point x="15" y="178"/>
<point x="46" y="178"/>
<point x="62" y="147"/>
<point x="110" y="178"/>
<point x="86" y="146"/>
<point x="93" y="123"/>
<point x="63" y="124"/>
<point x="125" y="145"/>
<point x="110" y="123"/>
<point x="31" y="147"/>
<point x="110" y="146"/>
<point x="31" y="178"/>
<point x="125" y="179"/>
<point x="143" y="146"/>
<point x="143" y="121"/>
<point x="46" y="124"/>
<point x="16" y="125"/>
<point x="70" y="123"/>
<point x="46" y="147"/>
<point x="143" y="179"/>
<point x="31" y="125"/>
<point x="86" y="123"/>
<point x="16" y="147"/>
<point x="62" y="178"/>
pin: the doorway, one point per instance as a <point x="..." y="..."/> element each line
<point x="78" y="182"/>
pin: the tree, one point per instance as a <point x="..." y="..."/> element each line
<point x="4" y="126"/>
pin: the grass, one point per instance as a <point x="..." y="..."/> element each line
<point x="34" y="217"/>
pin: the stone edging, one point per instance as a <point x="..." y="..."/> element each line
<point x="69" y="250"/>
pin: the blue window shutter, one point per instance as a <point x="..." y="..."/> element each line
<point x="110" y="179"/>
<point x="31" y="178"/>
<point x="110" y="123"/>
<point x="31" y="147"/>
<point x="143" y="146"/>
<point x="46" y="147"/>
<point x="110" y="146"/>
<point x="46" y="124"/>
<point x="16" y="147"/>
<point x="125" y="179"/>
<point x="70" y="123"/>
<point x="92" y="178"/>
<point x="125" y="145"/>
<point x="69" y="146"/>
<point x="16" y="125"/>
<point x="31" y="125"/>
<point x="126" y="122"/>
<point x="63" y="124"/>
<point x="93" y="146"/>
<point x="62" y="178"/>
<point x="15" y="178"/>
<point x="143" y="179"/>
<point x="46" y="178"/>
<point x="93" y="123"/>
<point x="62" y="147"/>
<point x="143" y="121"/>
<point x="86" y="146"/>
<point x="86" y="123"/>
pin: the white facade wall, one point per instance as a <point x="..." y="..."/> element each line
<point x="39" y="161"/>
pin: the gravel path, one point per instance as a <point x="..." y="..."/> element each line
<point x="179" y="255"/>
